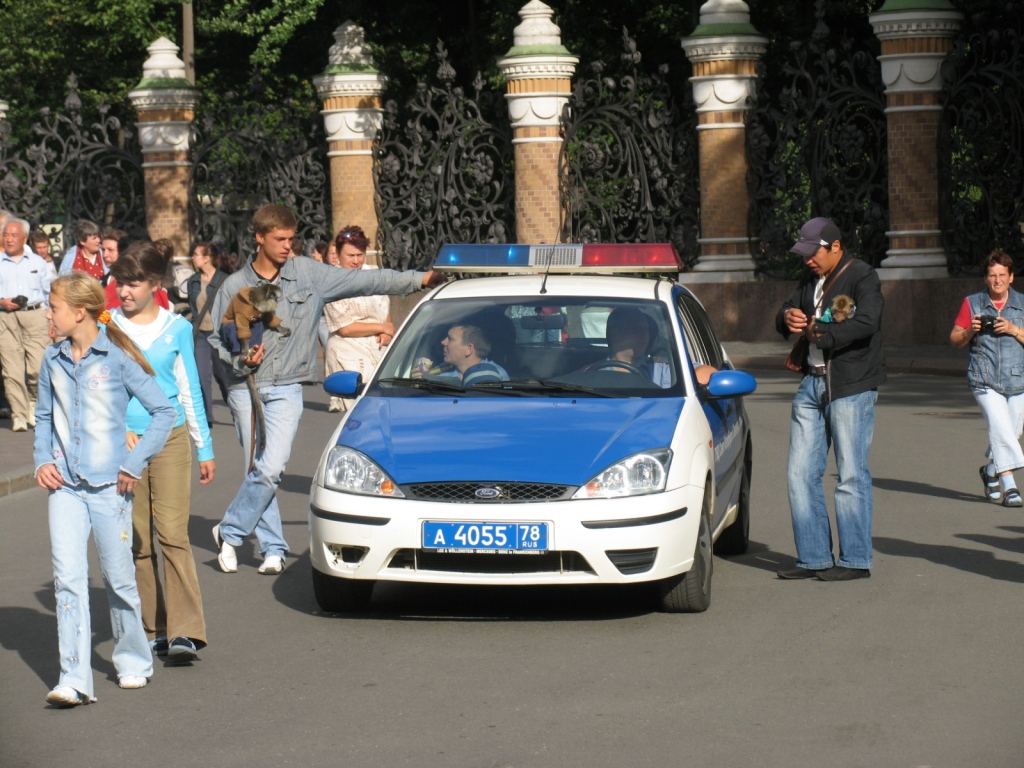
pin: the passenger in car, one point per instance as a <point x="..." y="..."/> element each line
<point x="465" y="353"/>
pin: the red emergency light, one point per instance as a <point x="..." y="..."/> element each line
<point x="596" y="258"/>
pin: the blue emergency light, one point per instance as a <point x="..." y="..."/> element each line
<point x="604" y="258"/>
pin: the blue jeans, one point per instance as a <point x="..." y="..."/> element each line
<point x="254" y="507"/>
<point x="74" y="512"/>
<point x="848" y="424"/>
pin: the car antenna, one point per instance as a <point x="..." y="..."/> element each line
<point x="547" y="270"/>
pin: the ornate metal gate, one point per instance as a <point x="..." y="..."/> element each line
<point x="74" y="169"/>
<point x="248" y="154"/>
<point x="629" y="161"/>
<point x="816" y="146"/>
<point x="981" y="141"/>
<point x="443" y="171"/>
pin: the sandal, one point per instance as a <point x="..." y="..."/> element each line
<point x="1012" y="498"/>
<point x="992" y="489"/>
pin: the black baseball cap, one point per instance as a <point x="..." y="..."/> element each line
<point x="815" y="234"/>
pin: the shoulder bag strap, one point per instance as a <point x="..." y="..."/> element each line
<point x="215" y="284"/>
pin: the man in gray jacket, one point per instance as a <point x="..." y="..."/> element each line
<point x="279" y="366"/>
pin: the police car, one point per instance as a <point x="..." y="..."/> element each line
<point x="572" y="421"/>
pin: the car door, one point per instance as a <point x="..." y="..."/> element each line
<point x="725" y="417"/>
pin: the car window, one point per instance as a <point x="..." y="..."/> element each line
<point x="704" y="345"/>
<point x="547" y="346"/>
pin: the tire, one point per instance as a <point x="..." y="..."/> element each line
<point x="735" y="540"/>
<point x="335" y="595"/>
<point x="690" y="592"/>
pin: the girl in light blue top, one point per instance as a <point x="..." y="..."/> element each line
<point x="172" y="609"/>
<point x="81" y="456"/>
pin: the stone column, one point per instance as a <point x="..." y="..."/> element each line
<point x="539" y="72"/>
<point x="4" y="106"/>
<point x="165" y="102"/>
<point x="915" y="36"/>
<point x="350" y="88"/>
<point x="724" y="50"/>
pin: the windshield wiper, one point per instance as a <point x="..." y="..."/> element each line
<point x="538" y="385"/>
<point x="432" y="385"/>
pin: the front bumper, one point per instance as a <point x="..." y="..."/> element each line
<point x="592" y="541"/>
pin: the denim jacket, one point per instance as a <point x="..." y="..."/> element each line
<point x="80" y="414"/>
<point x="997" y="362"/>
<point x="306" y="286"/>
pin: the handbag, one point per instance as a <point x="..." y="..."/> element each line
<point x="796" y="361"/>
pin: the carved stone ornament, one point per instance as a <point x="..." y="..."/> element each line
<point x="169" y="136"/>
<point x="890" y="25"/>
<point x="912" y="72"/>
<point x="350" y="47"/>
<point x="537" y="27"/>
<point x="163" y="61"/>
<point x="352" y="124"/>
<point x="723" y="93"/>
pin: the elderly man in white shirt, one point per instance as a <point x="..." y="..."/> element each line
<point x="24" y="295"/>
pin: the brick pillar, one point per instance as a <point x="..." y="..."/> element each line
<point x="539" y="72"/>
<point x="915" y="37"/>
<point x="165" y="102"/>
<point x="724" y="51"/>
<point x="350" y="88"/>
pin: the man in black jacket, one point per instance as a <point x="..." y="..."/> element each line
<point x="838" y="309"/>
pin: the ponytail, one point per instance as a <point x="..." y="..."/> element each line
<point x="78" y="289"/>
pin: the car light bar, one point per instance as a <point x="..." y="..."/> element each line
<point x="569" y="257"/>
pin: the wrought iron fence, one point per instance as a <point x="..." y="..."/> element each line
<point x="79" y="166"/>
<point x="629" y="162"/>
<point x="981" y="141"/>
<point x="246" y="154"/>
<point x="443" y="170"/>
<point x="816" y="146"/>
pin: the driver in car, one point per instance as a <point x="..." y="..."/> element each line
<point x="465" y="356"/>
<point x="629" y="337"/>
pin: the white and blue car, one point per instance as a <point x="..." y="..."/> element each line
<point x="565" y="465"/>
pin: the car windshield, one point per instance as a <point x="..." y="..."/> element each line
<point x="558" y="346"/>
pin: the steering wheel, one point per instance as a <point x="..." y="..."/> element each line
<point x="604" y="364"/>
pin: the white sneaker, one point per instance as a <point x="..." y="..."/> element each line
<point x="66" y="696"/>
<point x="226" y="558"/>
<point x="20" y="425"/>
<point x="32" y="414"/>
<point x="132" y="681"/>
<point x="272" y="565"/>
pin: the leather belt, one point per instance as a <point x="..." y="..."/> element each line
<point x="817" y="370"/>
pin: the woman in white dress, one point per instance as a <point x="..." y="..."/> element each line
<point x="360" y="328"/>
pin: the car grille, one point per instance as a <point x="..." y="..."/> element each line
<point x="547" y="562"/>
<point x="487" y="493"/>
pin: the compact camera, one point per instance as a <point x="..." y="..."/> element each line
<point x="988" y="322"/>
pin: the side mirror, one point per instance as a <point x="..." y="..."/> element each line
<point x="344" y="383"/>
<point x="729" y="383"/>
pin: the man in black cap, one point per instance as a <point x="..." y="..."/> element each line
<point x="838" y="309"/>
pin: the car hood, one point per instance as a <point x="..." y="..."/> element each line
<point x="540" y="440"/>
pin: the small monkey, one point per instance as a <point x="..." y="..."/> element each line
<point x="842" y="308"/>
<point x="252" y="305"/>
<point x="250" y="310"/>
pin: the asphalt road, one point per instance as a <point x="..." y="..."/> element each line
<point x="917" y="666"/>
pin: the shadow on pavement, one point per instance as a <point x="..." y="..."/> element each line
<point x="924" y="489"/>
<point x="32" y="634"/>
<point x="1015" y="544"/>
<point x="961" y="558"/>
<point x="762" y="557"/>
<point x="394" y="601"/>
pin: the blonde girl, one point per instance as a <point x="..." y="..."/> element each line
<point x="80" y="455"/>
<point x="172" y="611"/>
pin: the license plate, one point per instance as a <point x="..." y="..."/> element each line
<point x="486" y="538"/>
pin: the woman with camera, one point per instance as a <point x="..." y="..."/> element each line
<point x="992" y="322"/>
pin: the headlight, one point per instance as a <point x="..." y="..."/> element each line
<point x="639" y="474"/>
<point x="350" y="471"/>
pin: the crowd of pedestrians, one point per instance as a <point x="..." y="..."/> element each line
<point x="118" y="388"/>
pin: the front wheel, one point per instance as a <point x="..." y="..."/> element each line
<point x="690" y="592"/>
<point x="335" y="595"/>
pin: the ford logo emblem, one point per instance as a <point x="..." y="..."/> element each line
<point x="487" y="493"/>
